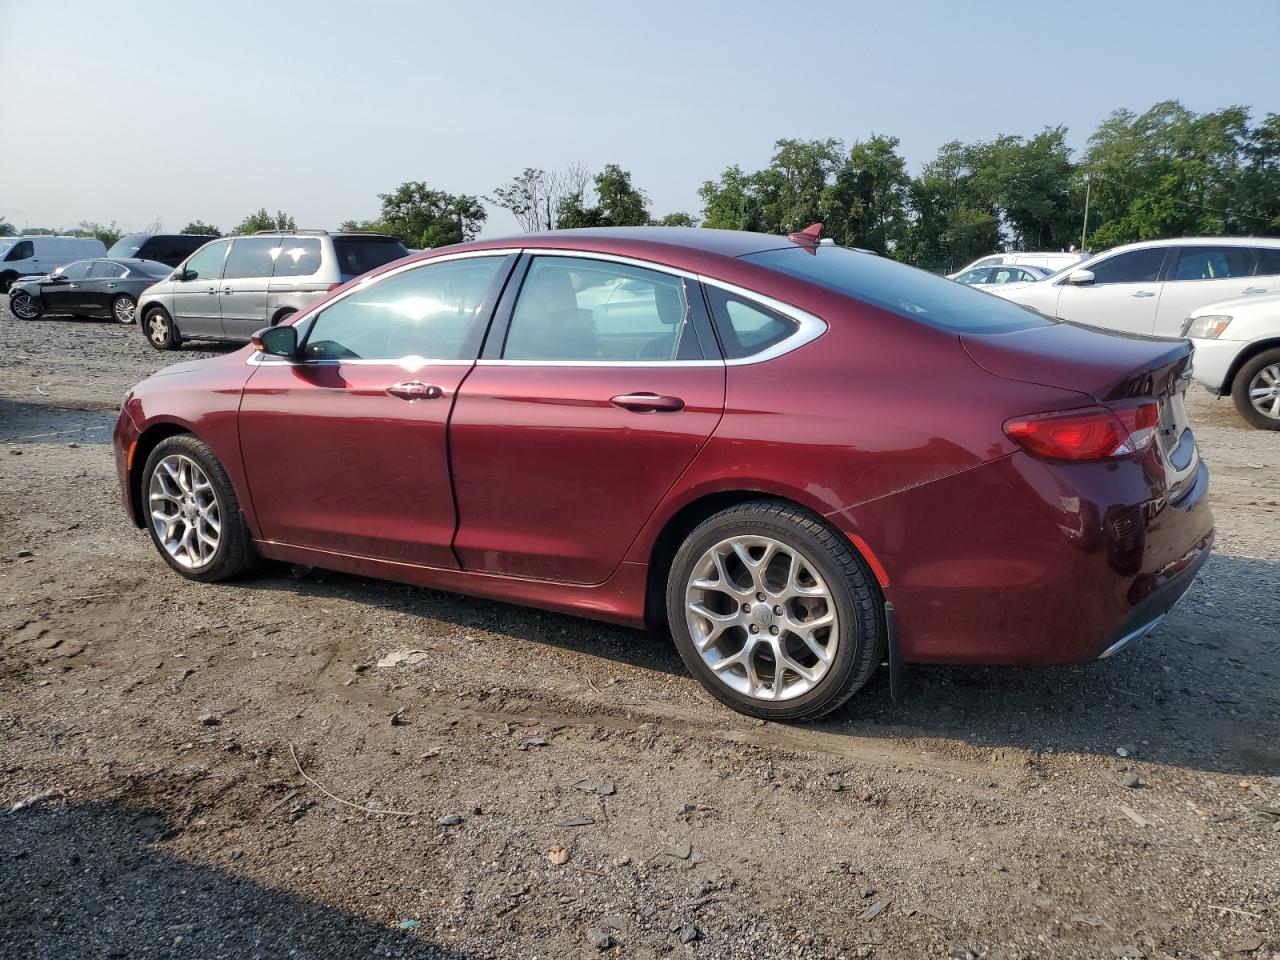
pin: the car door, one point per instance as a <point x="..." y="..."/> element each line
<point x="242" y="298"/>
<point x="599" y="384"/>
<point x="63" y="291"/>
<point x="1123" y="295"/>
<point x="102" y="285"/>
<point x="345" y="447"/>
<point x="196" y="287"/>
<point x="1201" y="275"/>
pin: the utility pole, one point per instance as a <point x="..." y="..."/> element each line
<point x="1084" y="232"/>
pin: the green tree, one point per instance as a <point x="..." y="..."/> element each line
<point x="422" y="217"/>
<point x="866" y="204"/>
<point x="677" y="219"/>
<point x="108" y="234"/>
<point x="733" y="202"/>
<point x="7" y="229"/>
<point x="264" y="221"/>
<point x="620" y="203"/>
<point x="200" y="228"/>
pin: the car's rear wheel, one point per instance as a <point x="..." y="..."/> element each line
<point x="774" y="612"/>
<point x="123" y="308"/>
<point x="1256" y="390"/>
<point x="160" y="331"/>
<point x="25" y="307"/>
<point x="192" y="512"/>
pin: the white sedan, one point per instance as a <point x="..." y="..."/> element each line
<point x="986" y="277"/>
<point x="1238" y="354"/>
<point x="1153" y="287"/>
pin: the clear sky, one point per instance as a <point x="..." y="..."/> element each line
<point x="183" y="110"/>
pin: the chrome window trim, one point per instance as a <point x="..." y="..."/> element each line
<point x="256" y="359"/>
<point x="637" y="364"/>
<point x="810" y="327"/>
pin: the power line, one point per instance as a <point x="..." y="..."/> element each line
<point x="1165" y="196"/>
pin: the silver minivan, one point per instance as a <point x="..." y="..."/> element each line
<point x="231" y="287"/>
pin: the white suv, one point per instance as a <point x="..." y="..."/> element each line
<point x="1153" y="287"/>
<point x="1238" y="354"/>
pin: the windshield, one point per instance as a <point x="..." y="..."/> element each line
<point x="128" y="245"/>
<point x="357" y="255"/>
<point x="903" y="290"/>
<point x="5" y="245"/>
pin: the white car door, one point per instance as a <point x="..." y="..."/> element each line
<point x="1124" y="294"/>
<point x="1203" y="275"/>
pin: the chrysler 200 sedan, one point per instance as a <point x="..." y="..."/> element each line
<point x="803" y="460"/>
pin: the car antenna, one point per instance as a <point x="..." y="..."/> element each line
<point x="810" y="236"/>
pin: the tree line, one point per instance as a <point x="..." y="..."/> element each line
<point x="1165" y="172"/>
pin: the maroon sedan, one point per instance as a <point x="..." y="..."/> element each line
<point x="801" y="459"/>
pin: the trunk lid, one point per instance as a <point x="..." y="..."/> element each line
<point x="1111" y="368"/>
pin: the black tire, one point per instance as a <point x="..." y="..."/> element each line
<point x="281" y="317"/>
<point x="33" y="310"/>
<point x="234" y="554"/>
<point x="6" y="280"/>
<point x="858" y="605"/>
<point x="1241" y="384"/>
<point x="119" y="305"/>
<point x="159" y="329"/>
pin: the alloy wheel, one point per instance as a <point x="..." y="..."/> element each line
<point x="158" y="328"/>
<point x="123" y="309"/>
<point x="1264" y="391"/>
<point x="184" y="511"/>
<point x="23" y="307"/>
<point x="761" y="617"/>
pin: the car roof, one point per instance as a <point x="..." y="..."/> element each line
<point x="728" y="243"/>
<point x="1199" y="242"/>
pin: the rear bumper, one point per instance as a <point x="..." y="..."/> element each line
<point x="1025" y="563"/>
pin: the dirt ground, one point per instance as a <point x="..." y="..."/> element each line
<point x="564" y="789"/>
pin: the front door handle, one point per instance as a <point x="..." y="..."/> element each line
<point x="1142" y="293"/>
<point x="647" y="403"/>
<point x="213" y="289"/>
<point x="111" y="286"/>
<point x="1249" y="291"/>
<point x="415" y="390"/>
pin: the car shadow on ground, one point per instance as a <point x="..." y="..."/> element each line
<point x="29" y="423"/>
<point x="95" y="881"/>
<point x="1202" y="691"/>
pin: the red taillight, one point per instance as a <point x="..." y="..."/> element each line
<point x="1089" y="433"/>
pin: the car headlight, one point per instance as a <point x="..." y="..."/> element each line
<point x="1208" y="327"/>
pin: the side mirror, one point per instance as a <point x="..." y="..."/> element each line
<point x="183" y="276"/>
<point x="56" y="278"/>
<point x="1080" y="278"/>
<point x="276" y="341"/>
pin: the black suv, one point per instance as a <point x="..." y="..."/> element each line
<point x="170" y="248"/>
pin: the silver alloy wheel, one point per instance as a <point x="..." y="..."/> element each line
<point x="158" y="328"/>
<point x="123" y="309"/>
<point x="184" y="511"/>
<point x="1264" y="391"/>
<point x="23" y="307"/>
<point x="761" y="617"/>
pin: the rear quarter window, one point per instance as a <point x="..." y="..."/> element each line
<point x="357" y="255"/>
<point x="906" y="291"/>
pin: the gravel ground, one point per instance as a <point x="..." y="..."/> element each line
<point x="563" y="789"/>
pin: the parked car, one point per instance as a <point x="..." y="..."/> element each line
<point x="981" y="277"/>
<point x="1153" y="287"/>
<point x="1045" y="259"/>
<point x="233" y="286"/>
<point x="87" y="288"/>
<point x="802" y="458"/>
<point x="170" y="248"/>
<point x="36" y="256"/>
<point x="1238" y="354"/>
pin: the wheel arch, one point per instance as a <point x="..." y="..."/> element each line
<point x="1243" y="357"/>
<point x="151" y="438"/>
<point x="282" y="314"/>
<point x="685" y="519"/>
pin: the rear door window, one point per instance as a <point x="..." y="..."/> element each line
<point x="1268" y="260"/>
<point x="297" y="257"/>
<point x="357" y="255"/>
<point x="1214" y="263"/>
<point x="106" y="270"/>
<point x="251" y="257"/>
<point x="1136" y="266"/>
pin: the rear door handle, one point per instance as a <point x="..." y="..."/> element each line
<point x="1252" y="290"/>
<point x="647" y="403"/>
<point x="1142" y="293"/>
<point x="226" y="289"/>
<point x="415" y="390"/>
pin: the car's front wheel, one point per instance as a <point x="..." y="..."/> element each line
<point x="1256" y="390"/>
<point x="160" y="331"/>
<point x="774" y="612"/>
<point x="192" y="512"/>
<point x="25" y="307"/>
<point x="123" y="308"/>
